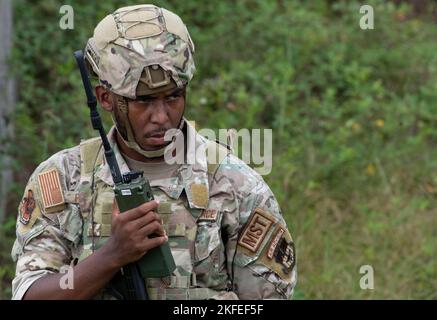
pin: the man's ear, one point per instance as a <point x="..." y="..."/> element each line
<point x="104" y="97"/>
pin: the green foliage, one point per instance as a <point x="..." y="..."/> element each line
<point x="7" y="269"/>
<point x="353" y="114"/>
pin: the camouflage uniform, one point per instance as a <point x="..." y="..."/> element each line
<point x="226" y="231"/>
<point x="225" y="227"/>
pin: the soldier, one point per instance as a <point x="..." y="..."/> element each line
<point x="221" y="220"/>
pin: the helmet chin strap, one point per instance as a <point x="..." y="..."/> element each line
<point x="122" y="106"/>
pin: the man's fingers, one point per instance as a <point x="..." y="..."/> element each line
<point x="161" y="232"/>
<point x="141" y="210"/>
<point x="115" y="210"/>
<point x="146" y="219"/>
<point x="154" y="227"/>
<point x="154" y="242"/>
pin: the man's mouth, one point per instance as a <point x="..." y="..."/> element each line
<point x="157" y="135"/>
<point x="156" y="138"/>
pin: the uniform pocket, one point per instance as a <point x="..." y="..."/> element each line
<point x="70" y="222"/>
<point x="207" y="240"/>
<point x="36" y="231"/>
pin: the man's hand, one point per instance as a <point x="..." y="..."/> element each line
<point x="133" y="233"/>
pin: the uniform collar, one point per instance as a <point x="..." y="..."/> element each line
<point x="191" y="177"/>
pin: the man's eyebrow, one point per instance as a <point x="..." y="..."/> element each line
<point x="177" y="91"/>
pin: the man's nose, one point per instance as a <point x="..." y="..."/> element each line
<point x="159" y="112"/>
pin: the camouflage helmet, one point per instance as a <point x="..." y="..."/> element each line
<point x="139" y="50"/>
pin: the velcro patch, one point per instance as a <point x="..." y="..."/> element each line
<point x="200" y="194"/>
<point x="255" y="230"/>
<point x="208" y="215"/>
<point x="164" y="208"/>
<point x="51" y="191"/>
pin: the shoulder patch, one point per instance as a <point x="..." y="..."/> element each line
<point x="51" y="191"/>
<point x="284" y="254"/>
<point x="256" y="230"/>
<point x="279" y="254"/>
<point x="26" y="208"/>
<point x="28" y="211"/>
<point x="274" y="243"/>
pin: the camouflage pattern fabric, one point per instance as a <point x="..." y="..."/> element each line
<point x="134" y="38"/>
<point x="226" y="231"/>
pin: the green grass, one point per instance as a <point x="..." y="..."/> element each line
<point x="7" y="267"/>
<point x="394" y="232"/>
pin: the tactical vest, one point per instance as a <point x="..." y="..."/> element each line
<point x="180" y="222"/>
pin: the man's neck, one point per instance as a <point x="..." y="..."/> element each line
<point x="131" y="153"/>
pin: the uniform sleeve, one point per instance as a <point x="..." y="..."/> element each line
<point x="260" y="251"/>
<point x="46" y="238"/>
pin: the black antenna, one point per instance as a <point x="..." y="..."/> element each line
<point x="136" y="286"/>
<point x="95" y="118"/>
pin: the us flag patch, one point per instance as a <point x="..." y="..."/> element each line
<point x="51" y="191"/>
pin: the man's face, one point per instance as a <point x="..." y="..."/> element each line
<point x="152" y="115"/>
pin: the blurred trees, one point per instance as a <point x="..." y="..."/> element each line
<point x="7" y="103"/>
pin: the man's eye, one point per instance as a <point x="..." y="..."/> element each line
<point x="144" y="100"/>
<point x="174" y="97"/>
